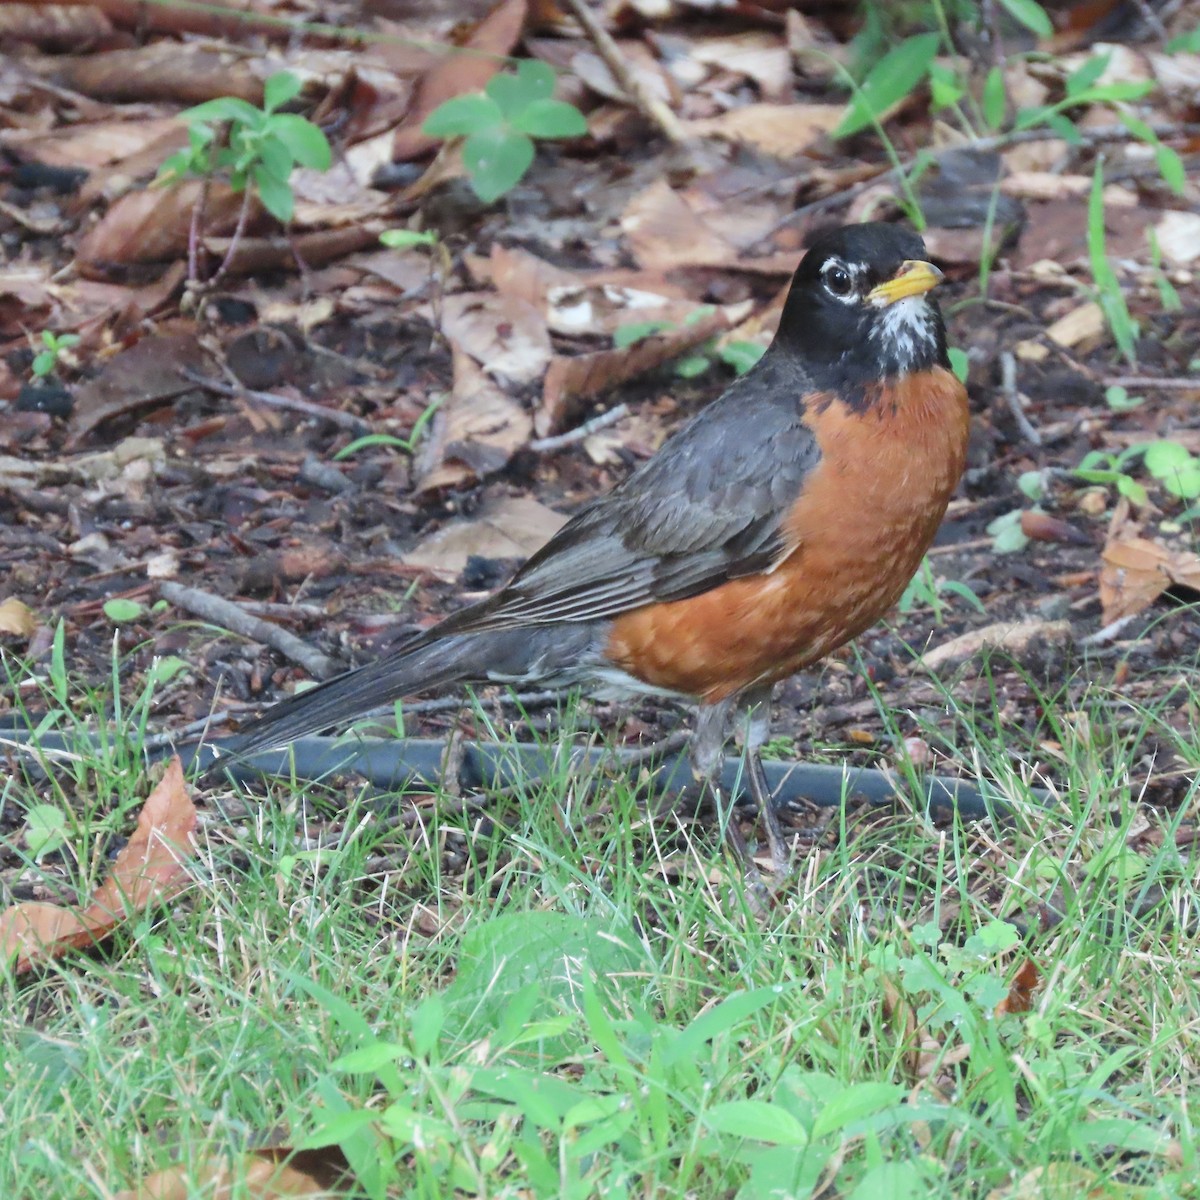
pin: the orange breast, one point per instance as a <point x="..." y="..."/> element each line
<point x="854" y="539"/>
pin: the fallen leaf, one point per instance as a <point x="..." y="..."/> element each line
<point x="144" y="375"/>
<point x="474" y="433"/>
<point x="1079" y="325"/>
<point x="1042" y="527"/>
<point x="262" y="1175"/>
<point x="1015" y="639"/>
<point x="663" y="232"/>
<point x="512" y="527"/>
<point x="150" y="867"/>
<point x="1136" y="570"/>
<point x="782" y="130"/>
<point x="508" y="337"/>
<point x="1178" y="235"/>
<point x="757" y="55"/>
<point x="16" y="618"/>
<point x="579" y="377"/>
<point x="1020" y="991"/>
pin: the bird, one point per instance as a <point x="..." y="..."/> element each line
<point x="781" y="521"/>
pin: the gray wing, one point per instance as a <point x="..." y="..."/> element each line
<point x="704" y="510"/>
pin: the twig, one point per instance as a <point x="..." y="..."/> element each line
<point x="274" y="400"/>
<point x="229" y="616"/>
<point x="1182" y="382"/>
<point x="1110" y="631"/>
<point x="1008" y="387"/>
<point x="1153" y="22"/>
<point x="548" y="445"/>
<point x="238" y="230"/>
<point x="649" y="105"/>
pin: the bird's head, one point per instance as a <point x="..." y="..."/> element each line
<point x="859" y="307"/>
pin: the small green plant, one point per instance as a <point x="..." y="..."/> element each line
<point x="45" y="829"/>
<point x="46" y="361"/>
<point x="1173" y="465"/>
<point x="500" y="124"/>
<point x="408" y="444"/>
<point x="1120" y="401"/>
<point x="1006" y="533"/>
<point x="1098" y="466"/>
<point x="256" y="149"/>
<point x="740" y="355"/>
<point x="927" y="590"/>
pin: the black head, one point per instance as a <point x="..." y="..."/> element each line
<point x="859" y="309"/>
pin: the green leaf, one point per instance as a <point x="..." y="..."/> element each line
<point x="223" y="108"/>
<point x="275" y="157"/>
<point x="279" y="89"/>
<point x="758" y="1121"/>
<point x="461" y="116"/>
<point x="308" y="144"/>
<point x="858" y="1101"/>
<point x="45" y="829"/>
<point x="994" y="98"/>
<point x="960" y="363"/>
<point x="1119" y="400"/>
<point x="1082" y="78"/>
<point x="1132" y="490"/>
<point x="741" y="356"/>
<point x="892" y="78"/>
<point x="274" y="192"/>
<point x="120" y="610"/>
<point x="637" y="331"/>
<point x="496" y="160"/>
<point x="550" y="119"/>
<point x="692" y="366"/>
<point x="514" y="94"/>
<point x="1188" y="43"/>
<point x="400" y="239"/>
<point x="44" y="363"/>
<point x="1032" y="484"/>
<point x="945" y="87"/>
<point x="965" y="591"/>
<point x="892" y="1181"/>
<point x="367" y="1060"/>
<point x="1031" y="15"/>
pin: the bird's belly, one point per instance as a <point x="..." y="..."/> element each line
<point x="867" y="514"/>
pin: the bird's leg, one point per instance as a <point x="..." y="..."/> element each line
<point x="707" y="753"/>
<point x="757" y="707"/>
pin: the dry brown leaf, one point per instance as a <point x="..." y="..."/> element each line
<point x="16" y="618"/>
<point x="146" y="374"/>
<point x="94" y="144"/>
<point x="1042" y="527"/>
<point x="641" y="64"/>
<point x="758" y="55"/>
<point x="782" y="130"/>
<point x="663" y="232"/>
<point x="153" y="225"/>
<point x="150" y="867"/>
<point x="507" y="336"/>
<point x="264" y="1175"/>
<point x="1137" y="571"/>
<point x="475" y="433"/>
<point x="166" y="70"/>
<point x="1081" y="324"/>
<point x="511" y="527"/>
<point x="574" y="379"/>
<point x="457" y="73"/>
<point x="1020" y="991"/>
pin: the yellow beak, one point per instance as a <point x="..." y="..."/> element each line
<point x="914" y="278"/>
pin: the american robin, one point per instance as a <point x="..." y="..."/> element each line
<point x="780" y="522"/>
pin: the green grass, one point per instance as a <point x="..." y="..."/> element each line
<point x="551" y="995"/>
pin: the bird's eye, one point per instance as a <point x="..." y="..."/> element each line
<point x="838" y="281"/>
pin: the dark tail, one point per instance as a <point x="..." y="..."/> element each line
<point x="545" y="656"/>
<point x="417" y="669"/>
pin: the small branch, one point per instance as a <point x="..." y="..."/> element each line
<point x="194" y="230"/>
<point x="228" y="615"/>
<point x="1170" y="383"/>
<point x="335" y="416"/>
<point x="1008" y="387"/>
<point x="648" y="105"/>
<point x="238" y="230"/>
<point x="548" y="445"/>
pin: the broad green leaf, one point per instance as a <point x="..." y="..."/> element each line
<point x="514" y="93"/>
<point x="308" y="144"/>
<point x="426" y="1024"/>
<point x="740" y="355"/>
<point x="1032" y="484"/>
<point x="279" y="89"/>
<point x="496" y="160"/>
<point x="960" y="363"/>
<point x="420" y="1129"/>
<point x="945" y="86"/>
<point x="1165" y="457"/>
<point x="367" y="1060"/>
<point x="275" y="193"/>
<point x="463" y="115"/>
<point x="729" y="1015"/>
<point x="756" y="1120"/>
<point x="276" y="157"/>
<point x="892" y="1181"/>
<point x="1030" y="14"/>
<point x="1184" y="482"/>
<point x="224" y="108"/>
<point x="44" y="363"/>
<point x="892" y="78"/>
<point x="45" y="829"/>
<point x="858" y="1101"/>
<point x="1081" y="79"/>
<point x="550" y="119"/>
<point x="121" y="610"/>
<point x="1132" y="490"/>
<point x="692" y="366"/>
